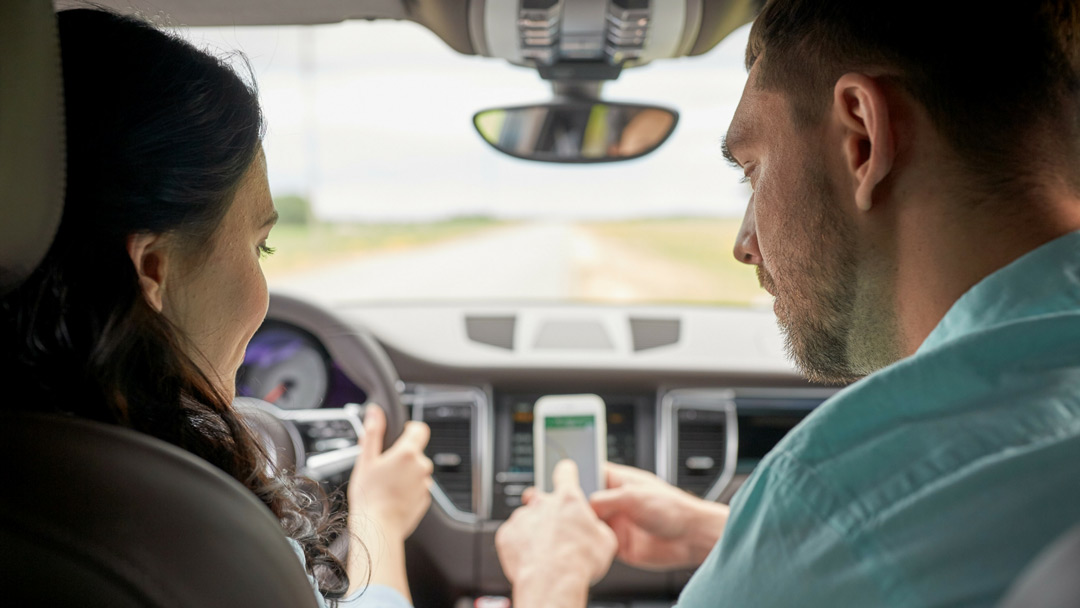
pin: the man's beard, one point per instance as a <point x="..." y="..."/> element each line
<point x="816" y="301"/>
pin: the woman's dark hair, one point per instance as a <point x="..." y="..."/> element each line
<point x="159" y="137"/>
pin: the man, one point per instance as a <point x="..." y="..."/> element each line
<point x="916" y="214"/>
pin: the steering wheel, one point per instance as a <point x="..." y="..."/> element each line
<point x="356" y="352"/>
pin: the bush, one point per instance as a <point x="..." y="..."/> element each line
<point x="293" y="209"/>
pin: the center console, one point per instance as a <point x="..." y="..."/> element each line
<point x="631" y="428"/>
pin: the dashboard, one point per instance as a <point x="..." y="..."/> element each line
<point x="699" y="399"/>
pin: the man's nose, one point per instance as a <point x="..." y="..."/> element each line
<point x="746" y="243"/>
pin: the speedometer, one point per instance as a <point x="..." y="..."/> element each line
<point x="285" y="367"/>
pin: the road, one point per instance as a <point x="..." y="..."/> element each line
<point x="533" y="262"/>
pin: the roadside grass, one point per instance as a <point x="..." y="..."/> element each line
<point x="304" y="246"/>
<point x="702" y="244"/>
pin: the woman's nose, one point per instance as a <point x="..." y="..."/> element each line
<point x="746" y="243"/>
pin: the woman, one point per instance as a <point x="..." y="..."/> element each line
<point x="141" y="311"/>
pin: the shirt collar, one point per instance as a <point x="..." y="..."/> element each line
<point x="1043" y="281"/>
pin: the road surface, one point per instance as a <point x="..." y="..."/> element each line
<point x="533" y="262"/>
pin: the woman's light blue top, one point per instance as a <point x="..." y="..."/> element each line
<point x="372" y="596"/>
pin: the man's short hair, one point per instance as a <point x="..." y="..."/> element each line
<point x="1001" y="82"/>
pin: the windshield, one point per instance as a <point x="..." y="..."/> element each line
<point x="386" y="192"/>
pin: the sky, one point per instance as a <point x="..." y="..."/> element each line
<point x="372" y="121"/>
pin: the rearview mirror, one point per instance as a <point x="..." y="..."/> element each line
<point x="576" y="131"/>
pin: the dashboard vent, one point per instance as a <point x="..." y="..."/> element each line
<point x="699" y="435"/>
<point x="450" y="448"/>
<point x="767" y="416"/>
<point x="701" y="449"/>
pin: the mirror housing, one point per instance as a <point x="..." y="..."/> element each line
<point x="576" y="130"/>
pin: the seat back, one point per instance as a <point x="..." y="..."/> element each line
<point x="97" y="515"/>
<point x="1053" y="579"/>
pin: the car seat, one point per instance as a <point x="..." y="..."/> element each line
<point x="1052" y="580"/>
<point x="93" y="514"/>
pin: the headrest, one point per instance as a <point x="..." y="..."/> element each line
<point x="31" y="137"/>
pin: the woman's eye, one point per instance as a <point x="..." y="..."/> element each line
<point x="265" y="252"/>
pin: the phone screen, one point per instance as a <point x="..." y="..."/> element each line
<point x="573" y="437"/>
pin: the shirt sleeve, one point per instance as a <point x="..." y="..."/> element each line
<point x="372" y="596"/>
<point x="779" y="551"/>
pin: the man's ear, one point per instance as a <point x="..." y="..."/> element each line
<point x="149" y="254"/>
<point x="860" y="107"/>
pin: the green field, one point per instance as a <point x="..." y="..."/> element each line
<point x="299" y="247"/>
<point x="701" y="246"/>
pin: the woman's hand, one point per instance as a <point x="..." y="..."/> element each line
<point x="391" y="488"/>
<point x="658" y="525"/>
<point x="553" y="548"/>
<point x="388" y="495"/>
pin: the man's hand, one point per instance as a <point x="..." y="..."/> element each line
<point x="391" y="488"/>
<point x="659" y="526"/>
<point x="553" y="548"/>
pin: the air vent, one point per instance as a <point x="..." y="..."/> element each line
<point x="450" y="449"/>
<point x="766" y="416"/>
<point x="701" y="449"/>
<point x="456" y="415"/>
<point x="699" y="440"/>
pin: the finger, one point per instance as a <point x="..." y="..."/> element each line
<point x="624" y="536"/>
<point x="622" y="474"/>
<point x="612" y="476"/>
<point x="612" y="502"/>
<point x="415" y="436"/>
<point x="528" y="495"/>
<point x="565" y="477"/>
<point x="374" y="430"/>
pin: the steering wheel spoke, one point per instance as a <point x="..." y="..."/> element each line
<point x="321" y="443"/>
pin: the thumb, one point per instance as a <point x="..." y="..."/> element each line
<point x="565" y="477"/>
<point x="612" y="475"/>
<point x="374" y="429"/>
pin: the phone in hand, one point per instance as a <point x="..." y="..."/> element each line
<point x="574" y="427"/>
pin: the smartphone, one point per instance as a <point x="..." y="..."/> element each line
<point x="574" y="427"/>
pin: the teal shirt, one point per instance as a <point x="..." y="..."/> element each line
<point x="932" y="482"/>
